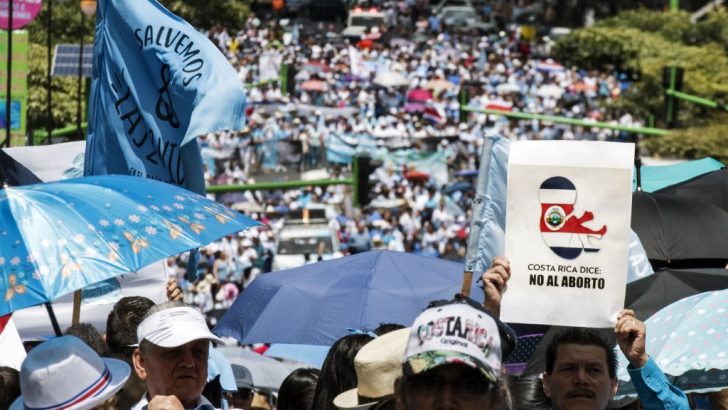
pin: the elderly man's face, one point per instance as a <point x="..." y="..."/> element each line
<point x="179" y="371"/>
<point x="580" y="378"/>
<point x="451" y="386"/>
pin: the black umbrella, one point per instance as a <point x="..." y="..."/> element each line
<point x="711" y="187"/>
<point x="646" y="296"/>
<point x="680" y="232"/>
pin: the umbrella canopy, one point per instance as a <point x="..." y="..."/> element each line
<point x="417" y="176"/>
<point x="316" y="303"/>
<point x="414" y="107"/>
<point x="385" y="203"/>
<point x="255" y="370"/>
<point x="438" y="85"/>
<point x="687" y="339"/>
<point x="711" y="188"/>
<point x="317" y="66"/>
<point x="309" y="354"/>
<point x="647" y="296"/>
<point x="458" y="186"/>
<point x="508" y="88"/>
<point x="656" y="177"/>
<point x="401" y="42"/>
<point x="61" y="236"/>
<point x="467" y="173"/>
<point x="550" y="91"/>
<point x="391" y="79"/>
<point x="680" y="232"/>
<point x="419" y="94"/>
<point x="314" y="85"/>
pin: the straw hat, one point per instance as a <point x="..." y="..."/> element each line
<point x="66" y="373"/>
<point x="378" y="364"/>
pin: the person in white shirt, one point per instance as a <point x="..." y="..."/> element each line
<point x="171" y="359"/>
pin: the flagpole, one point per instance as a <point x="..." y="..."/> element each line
<point x="3" y="178"/>
<point x="49" y="39"/>
<point x="8" y="100"/>
<point x="476" y="224"/>
<point x="80" y="78"/>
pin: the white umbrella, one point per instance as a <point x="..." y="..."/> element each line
<point x="550" y="91"/>
<point x="508" y="88"/>
<point x="254" y="369"/>
<point x="391" y="79"/>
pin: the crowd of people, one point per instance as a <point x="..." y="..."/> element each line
<point x="451" y="357"/>
<point x="156" y="356"/>
<point x="404" y="85"/>
<point x="341" y="95"/>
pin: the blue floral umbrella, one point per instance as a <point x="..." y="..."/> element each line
<point x="59" y="237"/>
<point x="689" y="341"/>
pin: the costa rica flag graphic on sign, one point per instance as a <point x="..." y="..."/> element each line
<point x="562" y="231"/>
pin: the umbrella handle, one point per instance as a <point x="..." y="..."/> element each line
<point x="467" y="283"/>
<point x="54" y="321"/>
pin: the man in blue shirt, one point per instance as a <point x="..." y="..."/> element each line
<point x="581" y="369"/>
<point x="581" y="366"/>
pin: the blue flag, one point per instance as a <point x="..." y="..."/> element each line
<point x="487" y="229"/>
<point x="157" y="84"/>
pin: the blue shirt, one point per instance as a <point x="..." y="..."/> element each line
<point x="655" y="391"/>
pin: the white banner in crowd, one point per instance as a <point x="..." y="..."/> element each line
<point x="34" y="323"/>
<point x="269" y="65"/>
<point x="567" y="232"/>
<point x="51" y="162"/>
<point x="13" y="352"/>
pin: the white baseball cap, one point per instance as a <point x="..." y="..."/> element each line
<point x="175" y="327"/>
<point x="65" y="373"/>
<point x="454" y="333"/>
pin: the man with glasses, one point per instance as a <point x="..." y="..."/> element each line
<point x="453" y="360"/>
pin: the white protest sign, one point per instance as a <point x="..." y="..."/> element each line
<point x="567" y="232"/>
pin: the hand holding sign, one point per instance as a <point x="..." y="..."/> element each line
<point x="631" y="334"/>
<point x="495" y="282"/>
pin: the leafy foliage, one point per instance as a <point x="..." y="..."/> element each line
<point x="64" y="90"/>
<point x="711" y="140"/>
<point x="66" y="29"/>
<point x="205" y="14"/>
<point x="645" y="42"/>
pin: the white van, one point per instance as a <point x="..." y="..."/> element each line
<point x="306" y="237"/>
<point x="361" y="20"/>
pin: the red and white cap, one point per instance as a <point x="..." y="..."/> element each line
<point x="454" y="333"/>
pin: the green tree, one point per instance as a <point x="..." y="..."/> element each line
<point x="205" y="14"/>
<point x="65" y="92"/>
<point x="644" y="42"/>
<point x="66" y="28"/>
